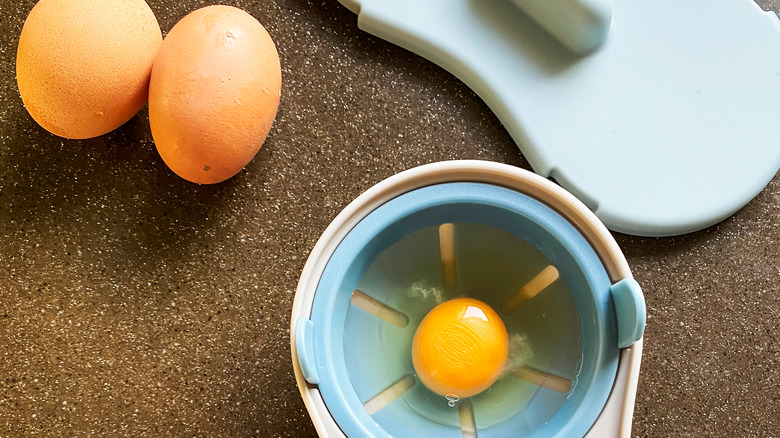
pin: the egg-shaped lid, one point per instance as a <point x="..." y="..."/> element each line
<point x="666" y="128"/>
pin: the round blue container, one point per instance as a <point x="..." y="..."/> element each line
<point x="327" y="340"/>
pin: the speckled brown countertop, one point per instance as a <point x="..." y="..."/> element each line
<point x="134" y="303"/>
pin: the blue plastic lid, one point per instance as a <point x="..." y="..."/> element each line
<point x="668" y="127"/>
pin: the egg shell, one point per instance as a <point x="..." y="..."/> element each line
<point x="83" y="66"/>
<point x="214" y="93"/>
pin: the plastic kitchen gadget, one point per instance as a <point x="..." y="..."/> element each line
<point x="659" y="115"/>
<point x="522" y="285"/>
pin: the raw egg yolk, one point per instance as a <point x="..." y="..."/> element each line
<point x="460" y="348"/>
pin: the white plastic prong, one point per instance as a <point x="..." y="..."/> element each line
<point x="543" y="379"/>
<point x="467" y="423"/>
<point x="530" y="290"/>
<point x="387" y="395"/>
<point x="449" y="273"/>
<point x="379" y="309"/>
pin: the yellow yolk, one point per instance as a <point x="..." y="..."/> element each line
<point x="460" y="348"/>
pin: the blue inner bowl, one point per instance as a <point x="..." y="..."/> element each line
<point x="354" y="359"/>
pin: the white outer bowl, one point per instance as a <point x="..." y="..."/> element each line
<point x="615" y="419"/>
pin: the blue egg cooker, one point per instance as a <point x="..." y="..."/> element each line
<point x="575" y="341"/>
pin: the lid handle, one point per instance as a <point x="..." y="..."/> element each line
<point x="580" y="25"/>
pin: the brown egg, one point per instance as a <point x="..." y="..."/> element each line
<point x="83" y="66"/>
<point x="214" y="93"/>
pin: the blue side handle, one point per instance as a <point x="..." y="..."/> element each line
<point x="304" y="346"/>
<point x="630" y="311"/>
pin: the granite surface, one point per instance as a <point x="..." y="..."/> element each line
<point x="134" y="303"/>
